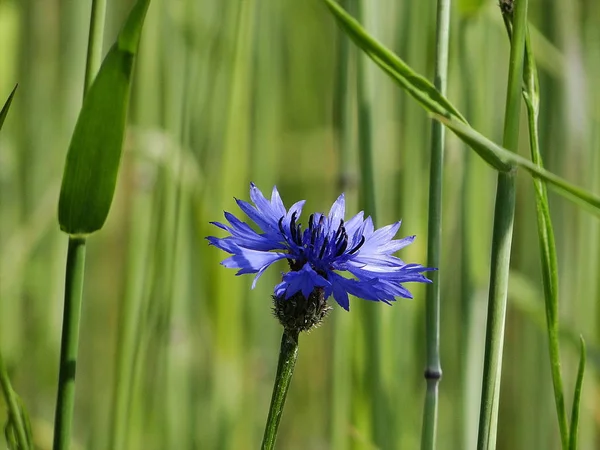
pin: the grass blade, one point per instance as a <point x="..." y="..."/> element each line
<point x="6" y="107"/>
<point x="547" y="244"/>
<point x="441" y="108"/>
<point x="573" y="433"/>
<point x="94" y="154"/>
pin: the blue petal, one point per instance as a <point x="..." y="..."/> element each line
<point x="264" y="206"/>
<point x="251" y="261"/>
<point x="305" y="280"/>
<point x="277" y="203"/>
<point x="337" y="211"/>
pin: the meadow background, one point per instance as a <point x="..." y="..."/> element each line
<point x="230" y="92"/>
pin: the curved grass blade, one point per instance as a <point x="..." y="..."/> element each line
<point x="6" y="107"/>
<point x="442" y="109"/>
<point x="573" y="432"/>
<point x="472" y="137"/>
<point x="17" y="429"/>
<point x="549" y="261"/>
<point x="94" y="154"/>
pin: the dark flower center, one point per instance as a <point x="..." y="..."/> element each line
<point x="317" y="243"/>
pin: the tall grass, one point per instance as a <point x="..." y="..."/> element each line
<point x="230" y="92"/>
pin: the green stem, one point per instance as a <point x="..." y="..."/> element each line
<point x="371" y="383"/>
<point x="501" y="242"/>
<point x="69" y="342"/>
<point x="433" y="372"/>
<point x="94" y="50"/>
<point x="14" y="412"/>
<point x="546" y="239"/>
<point x="285" y="369"/>
<point x="341" y="379"/>
<point x="574" y="430"/>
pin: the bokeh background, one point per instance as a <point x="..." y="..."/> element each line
<point x="228" y="92"/>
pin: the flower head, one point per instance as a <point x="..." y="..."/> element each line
<point x="318" y="253"/>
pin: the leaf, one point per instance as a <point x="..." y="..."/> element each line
<point x="443" y="110"/>
<point x="6" y="106"/>
<point x="573" y="433"/>
<point x="563" y="187"/>
<point x="94" y="153"/>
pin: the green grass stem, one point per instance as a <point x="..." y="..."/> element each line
<point x="288" y="354"/>
<point x="501" y="243"/>
<point x="95" y="38"/>
<point x="340" y="371"/>
<point x="75" y="269"/>
<point x="69" y="342"/>
<point x="549" y="262"/>
<point x="574" y="430"/>
<point x="433" y="372"/>
<point x="371" y="382"/>
<point x="14" y="410"/>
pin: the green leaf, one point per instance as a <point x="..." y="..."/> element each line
<point x="443" y="110"/>
<point x="6" y="106"/>
<point x="573" y="433"/>
<point x="94" y="154"/>
<point x="478" y="142"/>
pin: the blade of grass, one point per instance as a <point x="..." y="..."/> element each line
<point x="568" y="190"/>
<point x="574" y="431"/>
<point x="14" y="408"/>
<point x="426" y="94"/>
<point x="501" y="243"/>
<point x="547" y="243"/>
<point x="94" y="154"/>
<point x="433" y="372"/>
<point x="6" y="107"/>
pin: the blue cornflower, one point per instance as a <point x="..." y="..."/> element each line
<point x="320" y="253"/>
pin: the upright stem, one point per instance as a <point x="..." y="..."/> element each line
<point x="501" y="242"/>
<point x="371" y="383"/>
<point x="14" y="411"/>
<point x="69" y="342"/>
<point x="341" y="379"/>
<point x="94" y="51"/>
<point x="285" y="369"/>
<point x="433" y="372"/>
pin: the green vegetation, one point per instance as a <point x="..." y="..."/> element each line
<point x="177" y="352"/>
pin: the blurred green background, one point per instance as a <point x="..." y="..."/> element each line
<point x="228" y="92"/>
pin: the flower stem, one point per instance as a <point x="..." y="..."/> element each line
<point x="501" y="242"/>
<point x="69" y="342"/>
<point x="14" y="412"/>
<point x="285" y="369"/>
<point x="433" y="372"/>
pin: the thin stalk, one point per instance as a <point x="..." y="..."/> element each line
<point x="501" y="242"/>
<point x="574" y="430"/>
<point x="288" y="354"/>
<point x="69" y="343"/>
<point x="546" y="239"/>
<point x="433" y="372"/>
<point x="342" y="121"/>
<point x="94" y="50"/>
<point x="14" y="411"/>
<point x="371" y="383"/>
